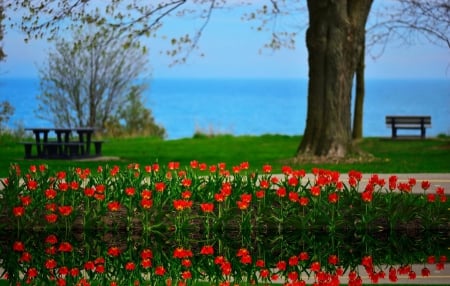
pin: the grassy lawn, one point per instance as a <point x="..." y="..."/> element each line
<point x="390" y="156"/>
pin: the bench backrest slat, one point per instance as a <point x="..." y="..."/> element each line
<point x="408" y="120"/>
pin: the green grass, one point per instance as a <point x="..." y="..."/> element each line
<point x="391" y="156"/>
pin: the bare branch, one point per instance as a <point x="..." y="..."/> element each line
<point x="410" y="21"/>
<point x="201" y="29"/>
<point x="165" y="9"/>
<point x="275" y="6"/>
<point x="282" y="20"/>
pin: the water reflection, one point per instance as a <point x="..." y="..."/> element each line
<point x="180" y="258"/>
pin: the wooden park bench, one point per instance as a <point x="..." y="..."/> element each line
<point x="408" y="122"/>
<point x="62" y="147"/>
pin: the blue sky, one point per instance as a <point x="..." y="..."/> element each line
<point x="231" y="50"/>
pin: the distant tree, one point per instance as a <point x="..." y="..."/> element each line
<point x="88" y="80"/>
<point x="133" y="119"/>
<point x="6" y="110"/>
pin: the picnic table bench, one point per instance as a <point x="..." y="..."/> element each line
<point x="408" y="122"/>
<point x="63" y="147"/>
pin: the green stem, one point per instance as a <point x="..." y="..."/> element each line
<point x="332" y="226"/>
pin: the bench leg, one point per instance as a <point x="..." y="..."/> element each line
<point x="394" y="132"/>
<point x="28" y="150"/>
<point x="82" y="150"/>
<point x="422" y="133"/>
<point x="98" y="148"/>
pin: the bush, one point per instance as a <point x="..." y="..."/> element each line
<point x="133" y="119"/>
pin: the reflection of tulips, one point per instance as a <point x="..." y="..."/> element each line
<point x="51" y="218"/>
<point x="18" y="246"/>
<point x="180" y="260"/>
<point x="18" y="211"/>
<point x="65" y="210"/>
<point x="65" y="247"/>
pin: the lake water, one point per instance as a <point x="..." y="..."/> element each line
<point x="255" y="106"/>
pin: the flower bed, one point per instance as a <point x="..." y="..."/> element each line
<point x="155" y="198"/>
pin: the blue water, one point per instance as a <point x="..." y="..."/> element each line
<point x="255" y="106"/>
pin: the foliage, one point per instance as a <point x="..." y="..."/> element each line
<point x="90" y="78"/>
<point x="138" y="120"/>
<point x="181" y="224"/>
<point x="135" y="19"/>
<point x="6" y="110"/>
<point x="2" y="29"/>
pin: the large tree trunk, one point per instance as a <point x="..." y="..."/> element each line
<point x="333" y="42"/>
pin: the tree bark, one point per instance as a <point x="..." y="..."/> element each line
<point x="360" y="91"/>
<point x="333" y="42"/>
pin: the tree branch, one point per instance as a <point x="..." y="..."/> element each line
<point x="429" y="18"/>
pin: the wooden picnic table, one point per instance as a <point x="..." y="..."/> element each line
<point x="63" y="146"/>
